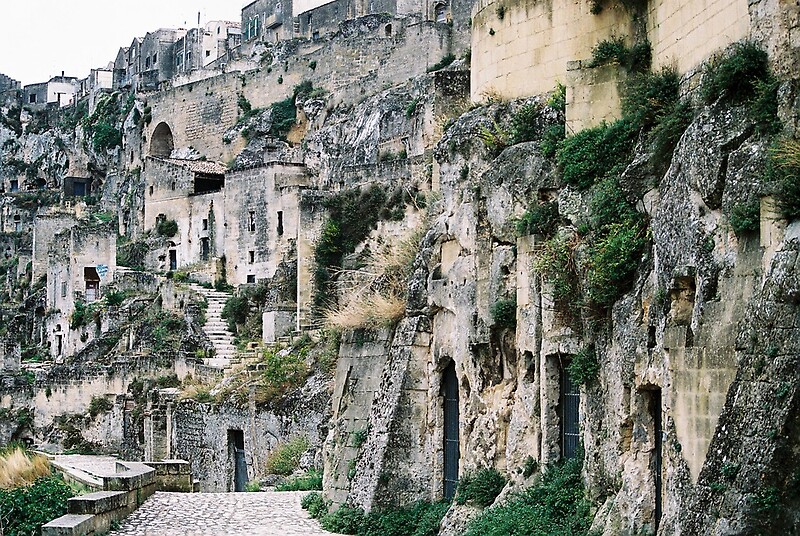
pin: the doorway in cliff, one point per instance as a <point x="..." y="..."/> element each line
<point x="569" y="413"/>
<point x="653" y="399"/>
<point x="236" y="452"/>
<point x="451" y="448"/>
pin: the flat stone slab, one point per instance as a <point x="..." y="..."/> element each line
<point x="69" y="525"/>
<point x="98" y="502"/>
<point x="216" y="514"/>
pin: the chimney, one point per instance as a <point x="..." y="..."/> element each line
<point x="62" y="75"/>
<point x="198" y="19"/>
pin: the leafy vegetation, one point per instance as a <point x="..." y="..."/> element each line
<point x="480" y="488"/>
<point x="784" y="172"/>
<point x="556" y="505"/>
<point x="613" y="260"/>
<point x="103" y="126"/>
<point x="98" y="405"/>
<point x="285" y="458"/>
<point x="746" y="217"/>
<point x="636" y="58"/>
<point x="419" y="519"/>
<point x="555" y="262"/>
<point x="312" y="480"/>
<point x="167" y="228"/>
<point x="584" y="367"/>
<point x="504" y="313"/>
<point x="735" y="76"/>
<point x="442" y="63"/>
<point x="595" y="153"/>
<point x="541" y="219"/>
<point x="23" y="510"/>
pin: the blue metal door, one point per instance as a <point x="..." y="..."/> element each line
<point x="451" y="449"/>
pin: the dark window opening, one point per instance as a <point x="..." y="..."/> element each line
<point x="14" y="185"/>
<point x="32" y="98"/>
<point x="17" y="224"/>
<point x="280" y="223"/>
<point x="441" y="13"/>
<point x="251" y="278"/>
<point x="151" y="190"/>
<point x="388" y="30"/>
<point x="451" y="430"/>
<point x="205" y="249"/>
<point x="569" y="414"/>
<point x="204" y="184"/>
<point x="63" y="289"/>
<point x="251" y="256"/>
<point x="173" y="185"/>
<point x="252" y="222"/>
<point x="205" y="224"/>
<point x="173" y="260"/>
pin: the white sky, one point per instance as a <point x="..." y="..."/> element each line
<point x="41" y="38"/>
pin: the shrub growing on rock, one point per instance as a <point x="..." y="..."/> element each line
<point x="284" y="459"/>
<point x="480" y="488"/>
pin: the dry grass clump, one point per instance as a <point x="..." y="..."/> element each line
<point x="377" y="293"/>
<point x="19" y="468"/>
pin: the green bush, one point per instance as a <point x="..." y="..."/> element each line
<point x="746" y="217"/>
<point x="650" y="96"/>
<point x="558" y="98"/>
<point x="556" y="265"/>
<point x="114" y="297"/>
<point x="312" y="480"/>
<point x="284" y="459"/>
<point x="315" y="504"/>
<point x="736" y="76"/>
<point x="608" y="204"/>
<point x="98" y="405"/>
<point x="167" y="228"/>
<point x="555" y="506"/>
<point x="551" y="138"/>
<point x="345" y="520"/>
<point x="235" y="311"/>
<point x="419" y="519"/>
<point x="24" y="510"/>
<point x="542" y="219"/>
<point x="253" y="486"/>
<point x="523" y="124"/>
<point x="594" y="153"/>
<point x="480" y="488"/>
<point x="613" y="261"/>
<point x="668" y="131"/>
<point x="504" y="313"/>
<point x="636" y="58"/>
<point x="584" y="367"/>
<point x="784" y="171"/>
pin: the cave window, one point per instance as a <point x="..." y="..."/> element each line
<point x="63" y="289"/>
<point x="32" y="98"/>
<point x="14" y="185"/>
<point x="151" y="190"/>
<point x="205" y="224"/>
<point x="387" y="31"/>
<point x="17" y="224"/>
<point x="173" y="186"/>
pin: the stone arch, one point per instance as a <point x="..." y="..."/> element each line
<point x="161" y="142"/>
<point x="440" y="13"/>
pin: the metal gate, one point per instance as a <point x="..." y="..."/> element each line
<point x="451" y="450"/>
<point x="570" y="414"/>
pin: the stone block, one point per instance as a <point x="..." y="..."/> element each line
<point x="98" y="502"/>
<point x="70" y="525"/>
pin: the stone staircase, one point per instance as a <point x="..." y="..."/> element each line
<point x="217" y="329"/>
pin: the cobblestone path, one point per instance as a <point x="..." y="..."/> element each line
<point x="221" y="514"/>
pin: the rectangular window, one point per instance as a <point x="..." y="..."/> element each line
<point x="251" y="278"/>
<point x="32" y="98"/>
<point x="14" y="185"/>
<point x="251" y="256"/>
<point x="252" y="222"/>
<point x="155" y="59"/>
<point x="205" y="224"/>
<point x="208" y="53"/>
<point x="280" y="223"/>
<point x="63" y="289"/>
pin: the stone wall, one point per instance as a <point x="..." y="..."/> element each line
<point x="199" y="433"/>
<point x="359" y="61"/>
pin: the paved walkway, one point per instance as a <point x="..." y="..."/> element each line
<point x="221" y="514"/>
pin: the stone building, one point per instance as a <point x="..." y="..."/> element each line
<point x="81" y="265"/>
<point x="8" y="84"/>
<point x="156" y="58"/>
<point x="200" y="47"/>
<point x="58" y="91"/>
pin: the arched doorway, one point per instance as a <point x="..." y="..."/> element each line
<point x="161" y="143"/>
<point x="451" y="448"/>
